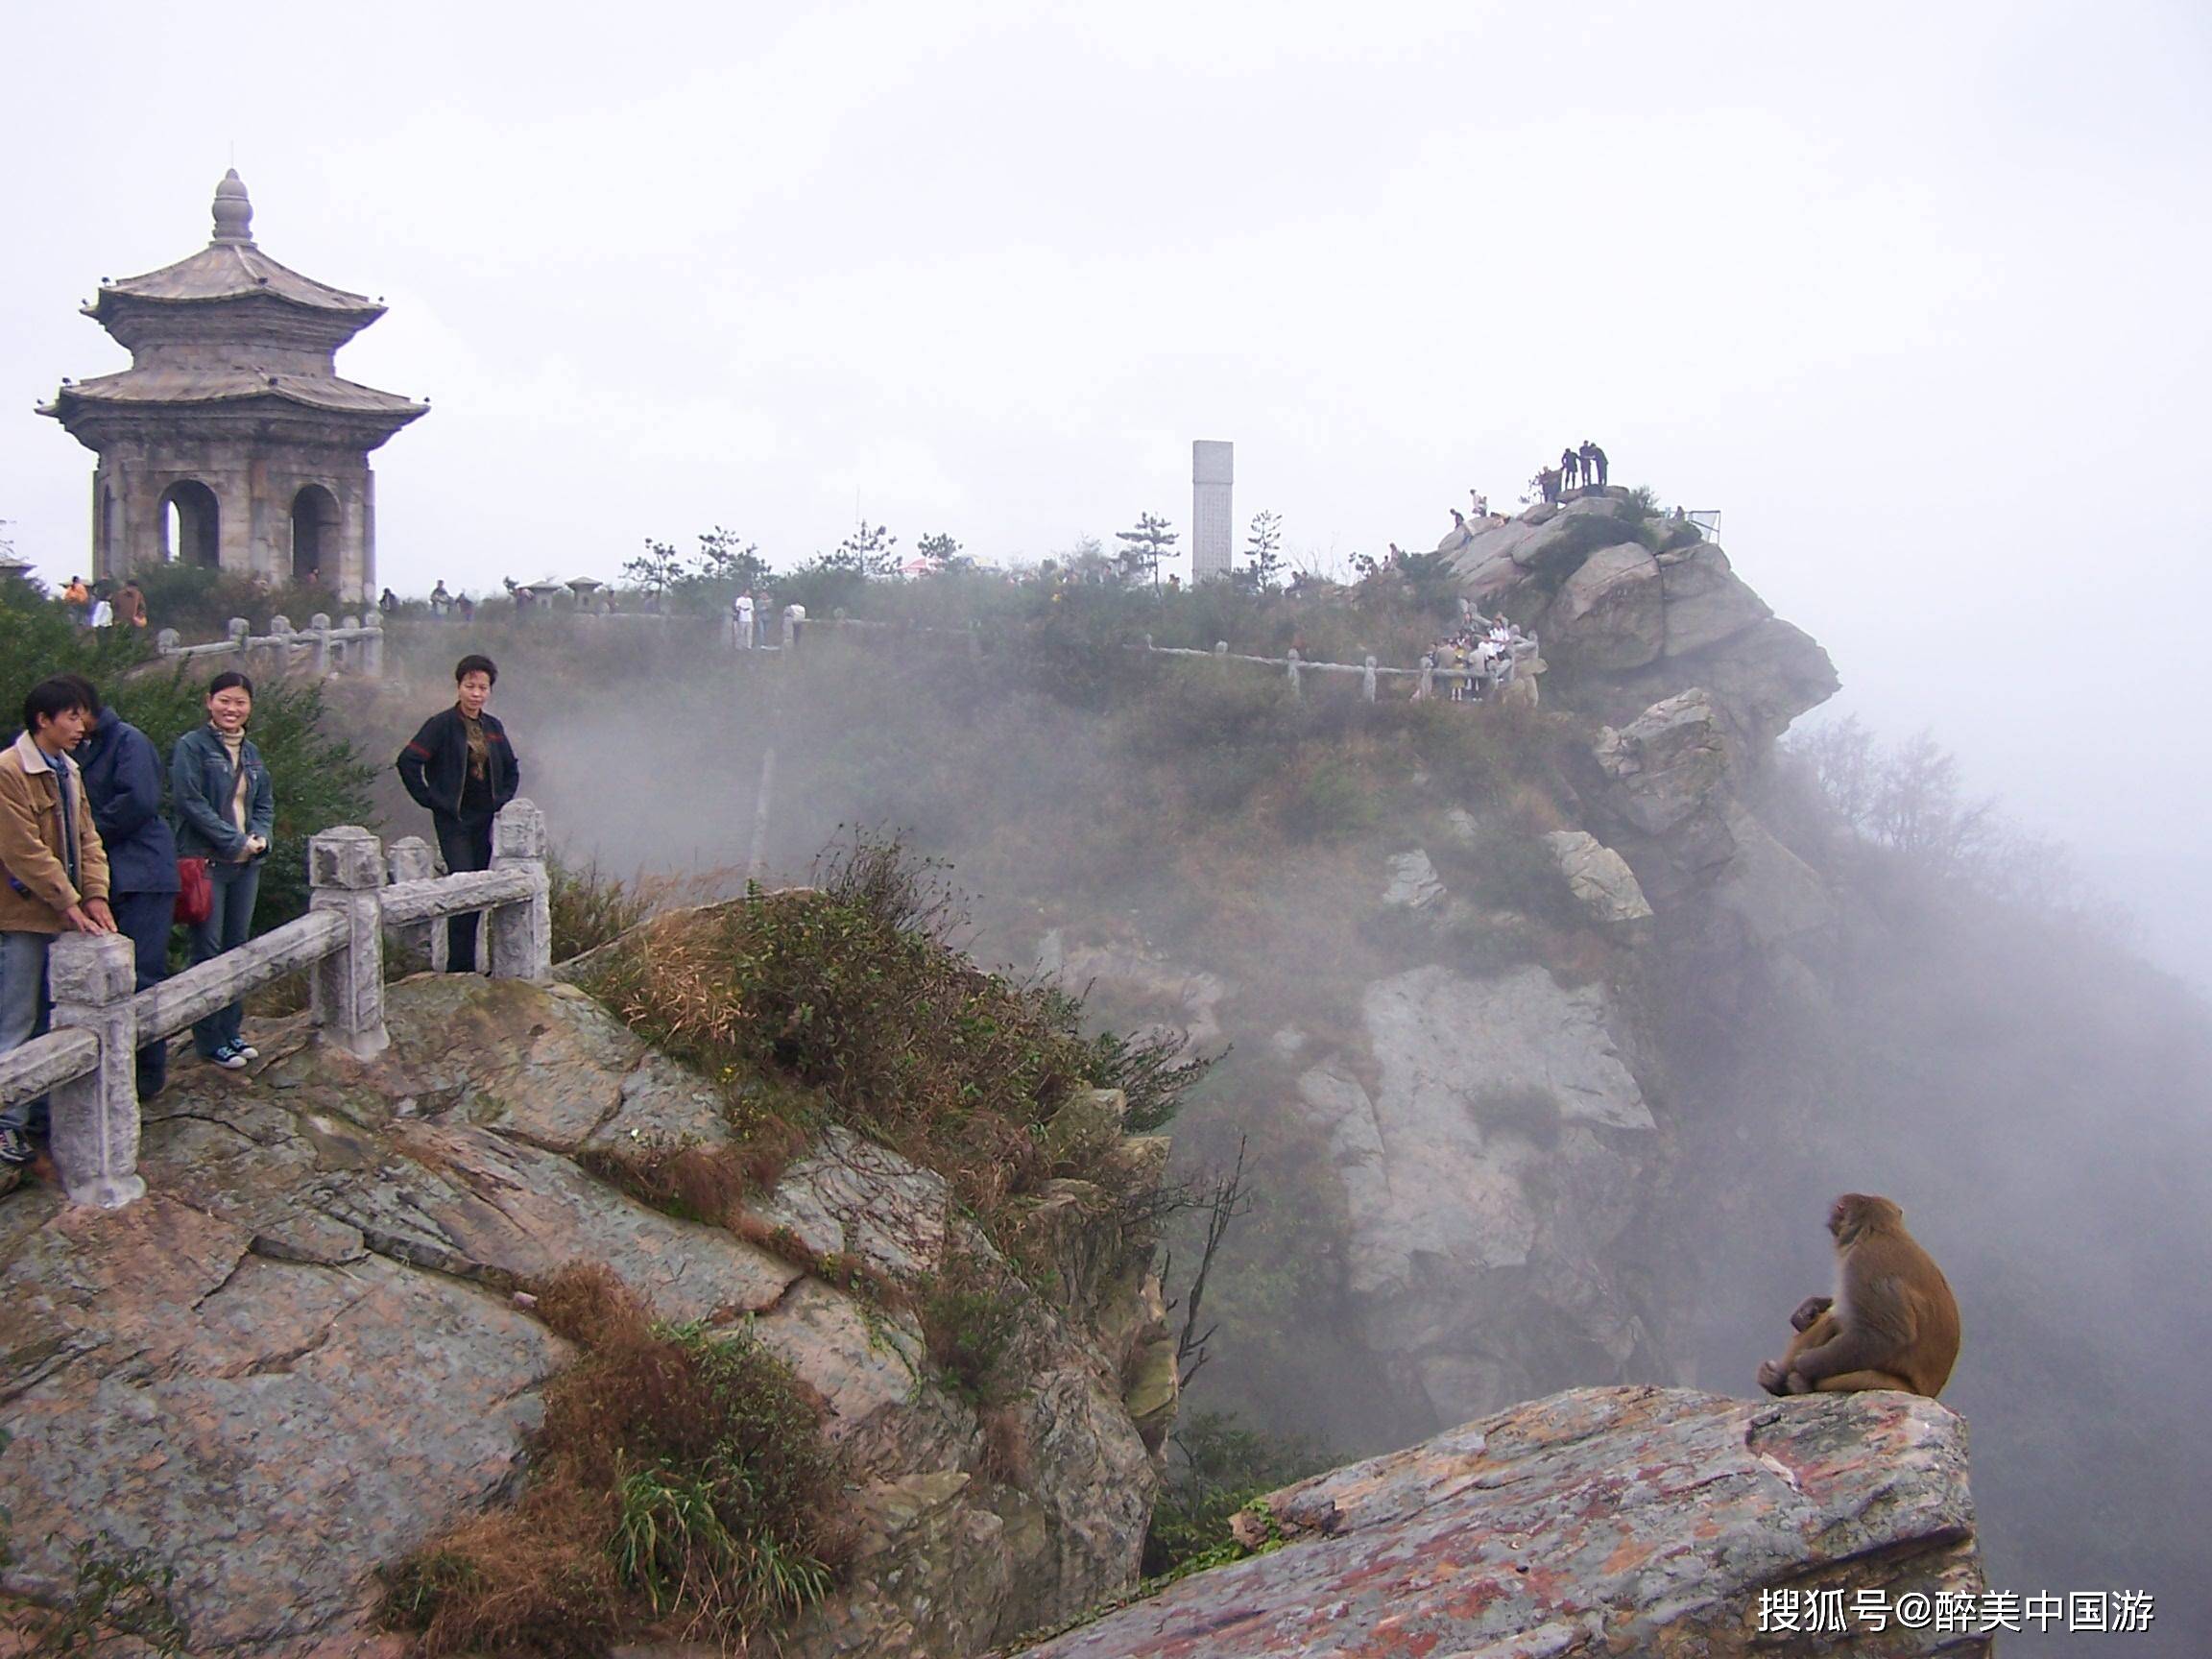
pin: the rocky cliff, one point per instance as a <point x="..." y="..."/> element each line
<point x="1604" y="1521"/>
<point x="303" y="1355"/>
<point x="1488" y="1082"/>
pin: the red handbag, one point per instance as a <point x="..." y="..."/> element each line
<point x="195" y="892"/>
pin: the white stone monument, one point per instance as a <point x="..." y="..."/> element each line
<point x="1213" y="526"/>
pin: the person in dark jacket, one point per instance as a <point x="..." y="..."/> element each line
<point x="122" y="787"/>
<point x="226" y="813"/>
<point x="462" y="768"/>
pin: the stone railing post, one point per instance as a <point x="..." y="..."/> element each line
<point x="345" y="873"/>
<point x="167" y="640"/>
<point x="1427" y="677"/>
<point x="790" y="631"/>
<point x="95" y="1117"/>
<point x="343" y="651"/>
<point x="1221" y="648"/>
<point x="410" y="859"/>
<point x="1367" y="680"/>
<point x="239" y="631"/>
<point x="319" y="625"/>
<point x="1295" y="688"/>
<point x="373" y="646"/>
<point x="522" y="932"/>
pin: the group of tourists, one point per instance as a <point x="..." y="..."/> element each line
<point x="444" y="605"/>
<point x="85" y="847"/>
<point x="105" y="604"/>
<point x="1478" y="656"/>
<point x="1577" y="468"/>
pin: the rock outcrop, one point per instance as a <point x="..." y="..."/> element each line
<point x="1487" y="1160"/>
<point x="301" y="1359"/>
<point x="1605" y="1521"/>
<point x="1633" y="608"/>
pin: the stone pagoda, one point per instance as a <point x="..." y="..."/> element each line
<point x="231" y="442"/>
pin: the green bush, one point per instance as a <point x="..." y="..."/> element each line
<point x="1216" y="1467"/>
<point x="848" y="991"/>
<point x="589" y="909"/>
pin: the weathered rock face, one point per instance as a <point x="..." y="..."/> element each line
<point x="1489" y="1162"/>
<point x="1600" y="879"/>
<point x="298" y="1358"/>
<point x="1605" y="1521"/>
<point x="1673" y="777"/>
<point x="1634" y="609"/>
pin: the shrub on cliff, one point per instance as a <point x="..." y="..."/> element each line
<point x="849" y="992"/>
<point x="680" y="1487"/>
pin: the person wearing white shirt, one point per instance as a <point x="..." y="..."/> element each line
<point x="741" y="620"/>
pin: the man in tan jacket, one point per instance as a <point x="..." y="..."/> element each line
<point x="52" y="876"/>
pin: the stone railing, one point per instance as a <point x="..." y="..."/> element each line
<point x="354" y="645"/>
<point x="88" y="1061"/>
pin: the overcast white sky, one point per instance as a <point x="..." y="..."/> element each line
<point x="1915" y="294"/>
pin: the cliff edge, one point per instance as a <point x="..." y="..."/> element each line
<point x="1602" y="1521"/>
<point x="303" y="1356"/>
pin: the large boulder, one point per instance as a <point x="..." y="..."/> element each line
<point x="1672" y="778"/>
<point x="1614" y="1521"/>
<point x="1598" y="878"/>
<point x="301" y="1355"/>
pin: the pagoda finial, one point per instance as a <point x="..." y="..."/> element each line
<point x="233" y="211"/>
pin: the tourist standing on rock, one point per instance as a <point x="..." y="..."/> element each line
<point x="741" y="619"/>
<point x="462" y="768"/>
<point x="1593" y="463"/>
<point x="122" y="773"/>
<point x="388" y="602"/>
<point x="794" y="622"/>
<point x="54" y="877"/>
<point x="440" y="600"/>
<point x="1569" y="467"/>
<point x="1547" y="480"/>
<point x="225" y="808"/>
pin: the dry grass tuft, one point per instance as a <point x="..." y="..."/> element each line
<point x="679" y="1487"/>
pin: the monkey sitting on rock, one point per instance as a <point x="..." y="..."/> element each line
<point x="1893" y="1322"/>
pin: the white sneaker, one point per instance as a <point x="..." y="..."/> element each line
<point x="248" y="1049"/>
<point x="230" y="1057"/>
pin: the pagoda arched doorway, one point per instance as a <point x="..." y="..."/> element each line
<point x="191" y="525"/>
<point x="315" y="536"/>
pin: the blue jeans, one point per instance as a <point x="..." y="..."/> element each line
<point x="145" y="920"/>
<point x="229" y="924"/>
<point x="22" y="1009"/>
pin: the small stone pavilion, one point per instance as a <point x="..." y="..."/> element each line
<point x="231" y="442"/>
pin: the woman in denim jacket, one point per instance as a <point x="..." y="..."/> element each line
<point x="226" y="810"/>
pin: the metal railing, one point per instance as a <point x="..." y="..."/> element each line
<point x="88" y="1062"/>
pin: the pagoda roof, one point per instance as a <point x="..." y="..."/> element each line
<point x="230" y="267"/>
<point x="142" y="387"/>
